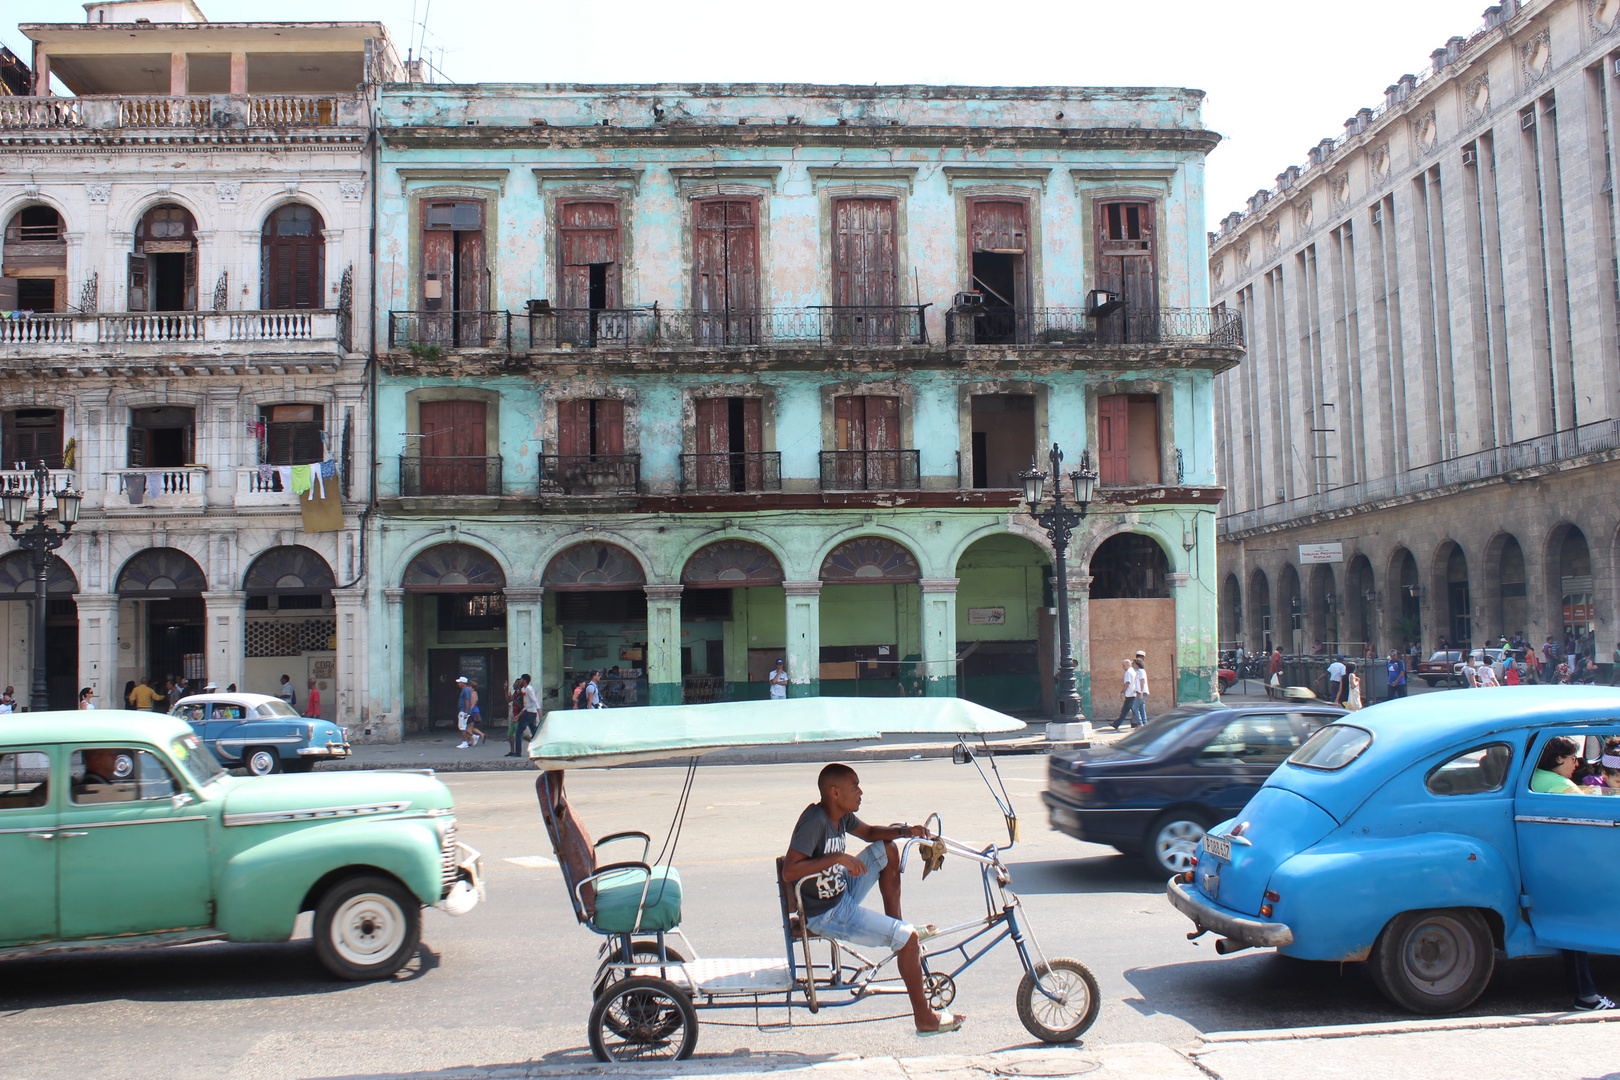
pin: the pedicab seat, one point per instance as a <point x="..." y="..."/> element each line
<point x="610" y="898"/>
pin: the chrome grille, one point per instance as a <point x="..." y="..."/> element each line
<point x="448" y="871"/>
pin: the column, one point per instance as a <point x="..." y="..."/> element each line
<point x="523" y="653"/>
<point x="177" y="74"/>
<point x="98" y="648"/>
<point x="349" y="686"/>
<point x="663" y="644"/>
<point x="42" y="72"/>
<point x="226" y="615"/>
<point x="390" y="726"/>
<point x="1079" y="616"/>
<point x="803" y="637"/>
<point x="239" y="73"/>
<point x="939" y="636"/>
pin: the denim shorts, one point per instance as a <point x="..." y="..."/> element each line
<point x="848" y="921"/>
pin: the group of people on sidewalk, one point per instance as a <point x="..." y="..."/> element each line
<point x="1133" y="704"/>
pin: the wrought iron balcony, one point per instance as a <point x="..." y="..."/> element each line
<point x="1073" y="328"/>
<point x="870" y="470"/>
<point x="590" y="474"/>
<point x="449" y="476"/>
<point x="743" y="471"/>
<point x="423" y="331"/>
<point x="674" y="328"/>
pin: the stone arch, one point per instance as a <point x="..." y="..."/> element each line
<point x="1291" y="597"/>
<point x="574" y="537"/>
<point x="870" y="559"/>
<point x="1130" y="565"/>
<point x="1359" y="622"/>
<point x="453" y="567"/>
<point x="1259" y="610"/>
<point x="161" y="573"/>
<point x="1004" y="631"/>
<point x="1231" y="613"/>
<point x="1569" y="564"/>
<point x="1025" y="530"/>
<point x="17" y="577"/>
<point x="1451" y="593"/>
<point x="291" y="570"/>
<point x="1404" y="592"/>
<point x="1503" y="600"/>
<point x="856" y="532"/>
<point x="593" y="564"/>
<point x="742" y="536"/>
<point x="1322" y="608"/>
<point x="1170" y="545"/>
<point x="731" y="564"/>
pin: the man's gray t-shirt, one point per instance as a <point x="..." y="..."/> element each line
<point x="815" y="835"/>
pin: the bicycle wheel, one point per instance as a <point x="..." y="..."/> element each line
<point x="1068" y="1017"/>
<point x="643" y="1019"/>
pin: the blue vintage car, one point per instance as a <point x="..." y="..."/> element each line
<point x="1407" y="836"/>
<point x="261" y="734"/>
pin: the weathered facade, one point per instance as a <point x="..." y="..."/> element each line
<point x="683" y="379"/>
<point x="1432" y="384"/>
<point x="184" y="242"/>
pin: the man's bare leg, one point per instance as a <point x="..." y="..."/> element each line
<point x="889" y="881"/>
<point x="910" y="965"/>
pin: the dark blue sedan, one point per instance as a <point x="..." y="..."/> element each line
<point x="1158" y="789"/>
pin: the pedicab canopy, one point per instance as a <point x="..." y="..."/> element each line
<point x="595" y="738"/>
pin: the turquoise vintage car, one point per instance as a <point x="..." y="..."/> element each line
<point x="121" y="829"/>
<point x="1408" y="835"/>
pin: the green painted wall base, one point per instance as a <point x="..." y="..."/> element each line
<point x="1082" y="682"/>
<point x="809" y="689"/>
<point x="664" y="693"/>
<point x="1005" y="693"/>
<point x="945" y="687"/>
<point x="1196" y="684"/>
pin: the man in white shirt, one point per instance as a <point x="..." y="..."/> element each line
<point x="1485" y="674"/>
<point x="778" y="678"/>
<point x="1139" y="699"/>
<point x="528" y="720"/>
<point x="1335" y="674"/>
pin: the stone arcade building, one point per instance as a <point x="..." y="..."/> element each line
<point x="1433" y="383"/>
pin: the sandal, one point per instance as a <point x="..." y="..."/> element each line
<point x="948" y="1022"/>
<point x="926" y="932"/>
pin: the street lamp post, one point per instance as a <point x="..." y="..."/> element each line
<point x="1059" y="520"/>
<point x="39" y="540"/>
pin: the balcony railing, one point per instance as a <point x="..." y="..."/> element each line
<point x="157" y="488"/>
<point x="422" y="330"/>
<point x="869" y="470"/>
<point x="21" y="478"/>
<point x="299" y="326"/>
<point x="449" y="476"/>
<point x="219" y="111"/>
<point x="674" y="328"/>
<point x="590" y="474"/>
<point x="1590" y="438"/>
<point x="743" y="471"/>
<point x="1072" y="328"/>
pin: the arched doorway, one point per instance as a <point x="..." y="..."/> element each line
<point x="160" y="600"/>
<point x="1130" y="609"/>
<point x="1231" y="613"/>
<point x="1005" y="656"/>
<point x="1260" y="610"/>
<point x="163" y="266"/>
<point x="1360" y="603"/>
<point x="1293" y="609"/>
<point x="1408" y="598"/>
<point x="290" y="627"/>
<point x="1324" y="609"/>
<point x="733" y="622"/>
<point x="292" y="272"/>
<point x="1513" y="608"/>
<point x="1454" y="599"/>
<point x="870" y="618"/>
<point x="596" y="597"/>
<point x="1577" y="602"/>
<point x="455" y="627"/>
<point x="61" y="629"/>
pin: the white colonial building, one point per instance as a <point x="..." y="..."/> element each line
<point x="185" y="243"/>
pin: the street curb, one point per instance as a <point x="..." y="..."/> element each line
<point x="1408" y="1027"/>
<point x="809" y="754"/>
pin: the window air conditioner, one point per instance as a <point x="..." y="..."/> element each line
<point x="1468" y="157"/>
<point x="1378" y="215"/>
<point x="1101" y="302"/>
<point x="968" y="299"/>
<point x="1527" y="119"/>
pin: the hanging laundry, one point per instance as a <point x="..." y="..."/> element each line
<point x="300" y="479"/>
<point x="328" y="469"/>
<point x="285" y="472"/>
<point x="135" y="488"/>
<point x="316" y="488"/>
<point x="154" y="484"/>
<point x="266" y="472"/>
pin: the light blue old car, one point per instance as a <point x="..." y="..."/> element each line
<point x="1406" y="835"/>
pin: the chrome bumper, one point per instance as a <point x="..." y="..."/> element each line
<point x="1240" y="928"/>
<point x="330" y="750"/>
<point x="468" y="891"/>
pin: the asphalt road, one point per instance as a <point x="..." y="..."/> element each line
<point x="510" y="982"/>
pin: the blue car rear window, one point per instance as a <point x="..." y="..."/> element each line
<point x="1334" y="747"/>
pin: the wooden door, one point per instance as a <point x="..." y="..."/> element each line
<point x="1128" y="264"/>
<point x="453" y="434"/>
<point x="725" y="271"/>
<point x="292" y="271"/>
<point x="753" y="463"/>
<point x="865" y="271"/>
<point x="588" y="235"/>
<point x="712" y="472"/>
<point x="438" y="286"/>
<point x="608" y="430"/>
<point x="138" y="274"/>
<point x="1001" y="227"/>
<point x="870" y="424"/>
<point x="1113" y="439"/>
<point x="473" y="327"/>
<point x="589" y="427"/>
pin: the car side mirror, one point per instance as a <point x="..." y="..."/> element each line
<point x="181" y="799"/>
<point x="960" y="755"/>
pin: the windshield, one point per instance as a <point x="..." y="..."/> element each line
<point x="276" y="708"/>
<point x="1158" y="734"/>
<point x="196" y="759"/>
<point x="1334" y="747"/>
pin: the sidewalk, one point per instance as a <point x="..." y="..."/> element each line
<point x="438" y="751"/>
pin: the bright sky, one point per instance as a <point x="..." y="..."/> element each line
<point x="1280" y="74"/>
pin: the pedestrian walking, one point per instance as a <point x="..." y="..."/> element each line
<point x="312" y="701"/>
<point x="778" y="678"/>
<point x="1396" y="669"/>
<point x="514" y="708"/>
<point x="1139" y="702"/>
<point x="528" y="717"/>
<point x="593" y="691"/>
<point x="87" y="698"/>
<point x="1352" y="697"/>
<point x="1485" y="675"/>
<point x="286" y="692"/>
<point x="1126" y="696"/>
<point x="467" y="713"/>
<point x="1335" y="676"/>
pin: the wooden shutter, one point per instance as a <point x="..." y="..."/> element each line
<point x="438" y="270"/>
<point x="191" y="281"/>
<point x="849" y="423"/>
<point x="864" y="253"/>
<point x="1142" y="438"/>
<point x="1128" y="264"/>
<point x="709" y="257"/>
<point x="574" y="428"/>
<point x="713" y="425"/>
<point x="137" y="282"/>
<point x="588" y="234"/>
<point x="753" y="425"/>
<point x="882" y="423"/>
<point x="1113" y="440"/>
<point x="472" y="280"/>
<point x="1002" y="226"/>
<point x="609" y="431"/>
<point x="453" y="445"/>
<point x="137" y="447"/>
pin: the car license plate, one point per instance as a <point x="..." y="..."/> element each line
<point x="1218" y="846"/>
